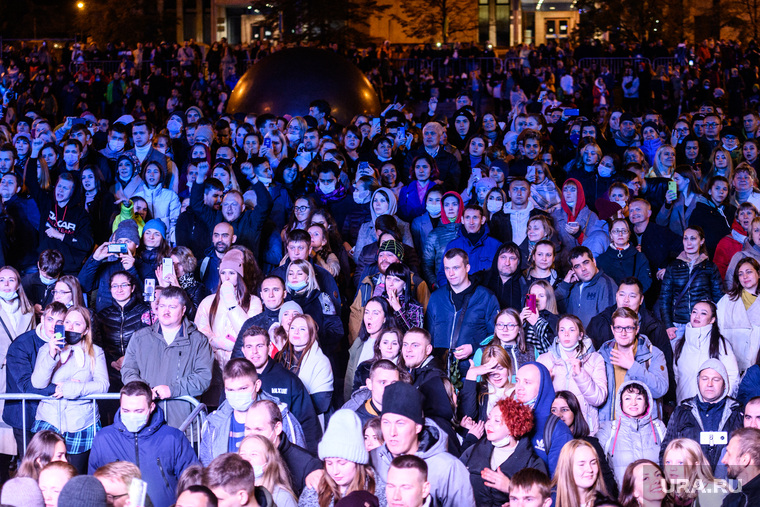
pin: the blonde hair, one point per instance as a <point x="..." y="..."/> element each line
<point x="551" y="298"/>
<point x="24" y="305"/>
<point x="89" y="347"/>
<point x="564" y="479"/>
<point x="275" y="470"/>
<point x="122" y="471"/>
<point x="696" y="467"/>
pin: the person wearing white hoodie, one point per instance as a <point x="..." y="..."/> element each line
<point x="164" y="204"/>
<point x="702" y="340"/>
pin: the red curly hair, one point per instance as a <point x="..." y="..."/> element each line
<point x="517" y="416"/>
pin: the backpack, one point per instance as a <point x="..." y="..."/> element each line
<point x="551" y="423"/>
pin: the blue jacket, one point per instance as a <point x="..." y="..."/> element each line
<point x="19" y="363"/>
<point x="542" y="409"/>
<point x="481" y="254"/>
<point x="748" y="388"/>
<point x="161" y="452"/>
<point x="422" y="226"/>
<point x="586" y="300"/>
<point x="648" y="368"/>
<point x="479" y="318"/>
<point x="409" y="204"/>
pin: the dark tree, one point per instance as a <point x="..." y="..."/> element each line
<point x="447" y="19"/>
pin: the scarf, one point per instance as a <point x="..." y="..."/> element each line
<point x="545" y="194"/>
<point x="748" y="299"/>
<point x="336" y="195"/>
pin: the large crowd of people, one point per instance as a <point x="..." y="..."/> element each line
<point x="549" y="297"/>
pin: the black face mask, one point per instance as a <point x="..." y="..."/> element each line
<point x="72" y="338"/>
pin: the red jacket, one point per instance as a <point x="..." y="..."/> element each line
<point x="728" y="247"/>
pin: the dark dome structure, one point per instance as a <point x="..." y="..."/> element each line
<point x="288" y="80"/>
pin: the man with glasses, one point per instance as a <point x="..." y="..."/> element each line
<point x="630" y="356"/>
<point x="711" y="139"/>
<point x="118" y="322"/>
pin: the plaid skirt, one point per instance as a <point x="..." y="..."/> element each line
<point x="76" y="442"/>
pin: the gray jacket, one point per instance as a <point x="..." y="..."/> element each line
<point x="184" y="366"/>
<point x="215" y="434"/>
<point x="449" y="479"/>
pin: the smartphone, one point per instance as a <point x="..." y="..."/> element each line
<point x="268" y="142"/>
<point x="572" y="112"/>
<point x="149" y="294"/>
<point x="375" y="122"/>
<point x="401" y="133"/>
<point x="78" y="121"/>
<point x="530" y="302"/>
<point x="137" y="492"/>
<point x="59" y="332"/>
<point x="168" y="266"/>
<point x="364" y="166"/>
<point x="672" y="187"/>
<point x="117" y="248"/>
<point x="573" y="224"/>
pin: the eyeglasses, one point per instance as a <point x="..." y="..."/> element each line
<point x="122" y="286"/>
<point x="624" y="329"/>
<point x="501" y="326"/>
<point x="61" y="292"/>
<point x="619" y="231"/>
<point x="711" y="124"/>
<point x="302" y="208"/>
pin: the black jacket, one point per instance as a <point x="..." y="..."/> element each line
<point x="478" y="457"/>
<point x="428" y="379"/>
<point x="620" y="264"/>
<point x="448" y="167"/>
<point x="659" y="245"/>
<point x="116" y="325"/>
<point x="684" y="423"/>
<point x="193" y="233"/>
<point x="264" y="320"/>
<point x="707" y="285"/>
<point x="37" y="292"/>
<point x="281" y="383"/>
<point x="300" y="463"/>
<point x="716" y="222"/>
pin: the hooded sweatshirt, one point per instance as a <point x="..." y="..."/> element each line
<point x="435" y="246"/>
<point x="694" y="417"/>
<point x="694" y="353"/>
<point x="627" y="438"/>
<point x="542" y="410"/>
<point x="367" y="233"/>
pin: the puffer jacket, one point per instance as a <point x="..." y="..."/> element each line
<point x="161" y="452"/>
<point x="590" y="386"/>
<point x="715" y="221"/>
<point x="478" y="457"/>
<point x="434" y="249"/>
<point x="115" y="326"/>
<point x="741" y="327"/>
<point x="626" y="439"/>
<point x="707" y="285"/>
<point x="695" y="351"/>
<point x="163" y="205"/>
<point x="481" y="254"/>
<point x="449" y="481"/>
<point x="620" y="264"/>
<point x="648" y="368"/>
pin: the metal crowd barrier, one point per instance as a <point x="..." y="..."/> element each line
<point x="194" y="421"/>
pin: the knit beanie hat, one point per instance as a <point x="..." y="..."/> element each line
<point x="205" y="132"/>
<point x="394" y="247"/>
<point x="157" y="225"/>
<point x="358" y="498"/>
<point x="233" y="260"/>
<point x="403" y="399"/>
<point x="83" y="491"/>
<point x="127" y="229"/>
<point x="627" y="117"/>
<point x="344" y="438"/>
<point x="22" y="492"/>
<point x="194" y="108"/>
<point x="289" y="306"/>
<point x="22" y="135"/>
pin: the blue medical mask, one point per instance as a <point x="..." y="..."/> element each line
<point x="297" y="287"/>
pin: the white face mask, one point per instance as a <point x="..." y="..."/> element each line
<point x="134" y="422"/>
<point x="571" y="201"/>
<point x="173" y="126"/>
<point x="240" y="401"/>
<point x="258" y="471"/>
<point x="604" y="172"/>
<point x="70" y="159"/>
<point x="8" y="296"/>
<point x="265" y="180"/>
<point x="434" y="210"/>
<point x="327" y="189"/>
<point x="116" y="145"/>
<point x="494" y="206"/>
<point x="47" y="281"/>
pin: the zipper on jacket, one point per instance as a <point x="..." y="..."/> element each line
<point x="137" y="452"/>
<point x="161" y="469"/>
<point x="121" y="331"/>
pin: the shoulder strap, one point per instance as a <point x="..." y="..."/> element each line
<point x="551" y="423"/>
<point x="693" y="275"/>
<point x="11" y="336"/>
<point x="204" y="266"/>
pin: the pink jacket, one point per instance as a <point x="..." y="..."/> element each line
<point x="590" y="386"/>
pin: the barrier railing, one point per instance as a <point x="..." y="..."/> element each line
<point x="194" y="421"/>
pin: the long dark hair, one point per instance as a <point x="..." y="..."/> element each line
<point x="403" y="272"/>
<point x="628" y="486"/>
<point x="715" y="337"/>
<point x="580" y="427"/>
<point x="736" y="290"/>
<point x="363" y="334"/>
